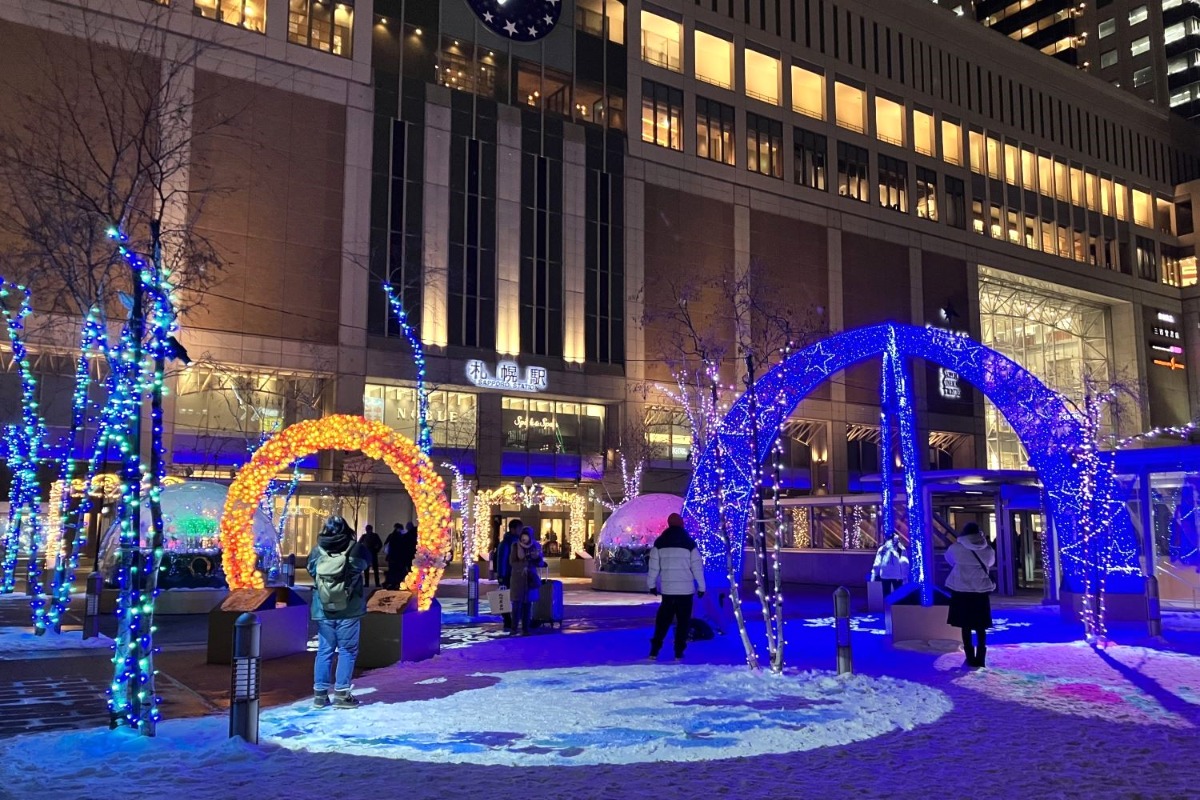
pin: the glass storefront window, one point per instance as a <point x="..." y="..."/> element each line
<point x="452" y="416"/>
<point x="549" y="427"/>
<point x="244" y="402"/>
<point x="669" y="435"/>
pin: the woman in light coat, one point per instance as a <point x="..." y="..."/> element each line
<point x="970" y="584"/>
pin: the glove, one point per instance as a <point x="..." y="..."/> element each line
<point x="700" y="594"/>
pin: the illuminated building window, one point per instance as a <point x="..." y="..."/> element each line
<point x="248" y="14"/>
<point x="853" y="172"/>
<point x="1108" y="59"/>
<point x="1061" y="183"/>
<point x="764" y="145"/>
<point x="924" y="133"/>
<point x="951" y="142"/>
<point x="978" y="161"/>
<point x="669" y="436"/>
<point x="1139" y="14"/>
<point x="893" y="184"/>
<point x="1143" y="76"/>
<point x="889" y="121"/>
<point x="601" y="18"/>
<point x="1092" y="182"/>
<point x="468" y="68"/>
<point x="1106" y="197"/>
<point x="850" y="107"/>
<point x="978" y="224"/>
<point x="662" y="115"/>
<point x="1140" y="46"/>
<point x="1012" y="164"/>
<point x="927" y="204"/>
<point x="808" y="92"/>
<point x="1143" y="210"/>
<point x="763" y="77"/>
<point x="452" y="416"/>
<point x="714" y="60"/>
<point x="1077" y="193"/>
<point x="1107" y="28"/>
<point x="1146" y="258"/>
<point x="248" y="403"/>
<point x="1122" y="195"/>
<point x="321" y="25"/>
<point x="811" y="154"/>
<point x="993" y="158"/>
<point x="1029" y="171"/>
<point x="547" y="427"/>
<point x="662" y="41"/>
<point x="714" y="131"/>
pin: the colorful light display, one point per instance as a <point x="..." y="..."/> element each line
<point x="340" y="432"/>
<point x="536" y="495"/>
<point x="1051" y="431"/>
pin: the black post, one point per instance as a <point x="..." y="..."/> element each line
<point x="91" y="607"/>
<point x="289" y="570"/>
<point x="841" y="617"/>
<point x="246" y="679"/>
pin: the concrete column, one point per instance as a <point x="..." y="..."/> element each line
<point x="574" y="257"/>
<point x="436" y="236"/>
<point x="635" y="273"/>
<point x="491" y="442"/>
<point x="277" y="20"/>
<point x="508" y="232"/>
<point x="1191" y="346"/>
<point x="836" y="468"/>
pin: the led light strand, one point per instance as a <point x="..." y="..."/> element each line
<point x="424" y="434"/>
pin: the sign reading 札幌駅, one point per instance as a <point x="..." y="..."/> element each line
<point x="508" y="376"/>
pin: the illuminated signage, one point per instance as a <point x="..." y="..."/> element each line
<point x="948" y="386"/>
<point x="1165" y="317"/>
<point x="508" y="376"/>
<point x="1171" y="365"/>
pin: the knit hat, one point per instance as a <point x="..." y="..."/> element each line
<point x="674" y="521"/>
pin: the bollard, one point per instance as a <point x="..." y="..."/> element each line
<point x="1153" y="607"/>
<point x="473" y="591"/>
<point x="243" y="692"/>
<point x="841" y="621"/>
<point x="91" y="606"/>
<point x="289" y="570"/>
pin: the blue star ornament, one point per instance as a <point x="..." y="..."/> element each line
<point x="518" y="20"/>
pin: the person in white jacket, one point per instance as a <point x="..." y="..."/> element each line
<point x="891" y="565"/>
<point x="677" y="570"/>
<point x="970" y="584"/>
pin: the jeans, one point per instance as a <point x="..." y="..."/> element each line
<point x="677" y="607"/>
<point x="339" y="635"/>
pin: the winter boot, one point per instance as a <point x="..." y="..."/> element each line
<point x="320" y="699"/>
<point x="343" y="699"/>
<point x="969" y="649"/>
<point x="980" y="655"/>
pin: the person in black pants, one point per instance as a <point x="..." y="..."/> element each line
<point x="374" y="545"/>
<point x="504" y="563"/>
<point x="676" y="569"/>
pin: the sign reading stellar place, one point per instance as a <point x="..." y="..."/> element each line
<point x="508" y="376"/>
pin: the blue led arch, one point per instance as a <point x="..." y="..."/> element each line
<point x="1046" y="424"/>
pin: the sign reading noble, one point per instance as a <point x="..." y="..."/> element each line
<point x="518" y="20"/>
<point x="508" y="375"/>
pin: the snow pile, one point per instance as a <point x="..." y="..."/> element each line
<point x="623" y="715"/>
<point x="874" y="624"/>
<point x="18" y="643"/>
<point x="1118" y="683"/>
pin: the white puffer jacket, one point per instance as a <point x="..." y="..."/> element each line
<point x="967" y="573"/>
<point x="675" y="562"/>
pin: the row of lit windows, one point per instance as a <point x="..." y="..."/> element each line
<point x="319" y="24"/>
<point x="662" y="45"/>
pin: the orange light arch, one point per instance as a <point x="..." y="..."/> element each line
<point x="339" y="432"/>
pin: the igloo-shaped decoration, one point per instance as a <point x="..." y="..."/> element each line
<point x="628" y="535"/>
<point x="191" y="539"/>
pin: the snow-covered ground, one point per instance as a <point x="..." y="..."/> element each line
<point x="19" y="643"/>
<point x="582" y="714"/>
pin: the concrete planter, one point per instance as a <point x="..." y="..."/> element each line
<point x="282" y="612"/>
<point x="1117" y="607"/>
<point x="576" y="567"/>
<point x="620" y="582"/>
<point x="909" y="621"/>
<point x="393" y="630"/>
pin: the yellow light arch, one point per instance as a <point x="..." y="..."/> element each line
<point x="340" y="432"/>
<point x="537" y="496"/>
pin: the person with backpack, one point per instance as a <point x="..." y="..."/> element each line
<point x="337" y="565"/>
<point x="677" y="567"/>
<point x="970" y="583"/>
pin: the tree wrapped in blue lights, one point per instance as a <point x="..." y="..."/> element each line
<point x="424" y="434"/>
<point x="1052" y="431"/>
<point x="24" y="446"/>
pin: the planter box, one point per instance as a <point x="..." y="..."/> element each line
<point x="576" y="567"/>
<point x="1117" y="607"/>
<point x="620" y="582"/>
<point x="173" y="601"/>
<point x="393" y="630"/>
<point x="908" y="621"/>
<point x="282" y="612"/>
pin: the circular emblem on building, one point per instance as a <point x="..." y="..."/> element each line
<point x="518" y="20"/>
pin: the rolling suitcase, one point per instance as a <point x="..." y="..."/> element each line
<point x="549" y="605"/>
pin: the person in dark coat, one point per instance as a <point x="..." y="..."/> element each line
<point x="374" y="545"/>
<point x="400" y="549"/>
<point x="524" y="560"/>
<point x="338" y="630"/>
<point x="504" y="563"/>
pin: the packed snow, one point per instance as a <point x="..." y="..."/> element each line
<point x="624" y="715"/>
<point x="17" y="643"/>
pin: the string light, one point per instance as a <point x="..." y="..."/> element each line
<point x="424" y="434"/>
<point x="339" y="432"/>
<point x="466" y="515"/>
<point x="719" y="496"/>
<point x="535" y="495"/>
